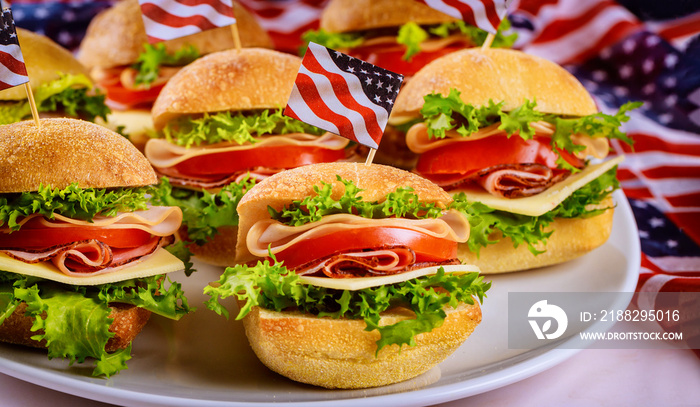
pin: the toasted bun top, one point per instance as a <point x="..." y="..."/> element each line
<point x="44" y="60"/>
<point x="66" y="151"/>
<point x="116" y="36"/>
<point x="499" y="74"/>
<point x="281" y="189"/>
<point x="358" y="15"/>
<point x="245" y="79"/>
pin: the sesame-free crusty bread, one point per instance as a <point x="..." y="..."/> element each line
<point x="128" y="322"/>
<point x="45" y="61"/>
<point x="220" y="250"/>
<point x="572" y="237"/>
<point x="359" y="15"/>
<point x="66" y="151"/>
<point x="339" y="353"/>
<point x="497" y="74"/>
<point x="232" y="80"/>
<point x="116" y="36"/>
<point x="281" y="189"/>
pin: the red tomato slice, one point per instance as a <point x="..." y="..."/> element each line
<point x="42" y="238"/>
<point x="129" y="97"/>
<point x="389" y="57"/>
<point x="471" y="156"/>
<point x="230" y="162"/>
<point x="426" y="247"/>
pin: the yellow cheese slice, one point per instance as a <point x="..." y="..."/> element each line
<point x="160" y="262"/>
<point x="543" y="202"/>
<point x="135" y="122"/>
<point x="359" y="283"/>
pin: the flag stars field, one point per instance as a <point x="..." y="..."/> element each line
<point x="656" y="222"/>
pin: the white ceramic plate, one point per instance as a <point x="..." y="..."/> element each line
<point x="205" y="360"/>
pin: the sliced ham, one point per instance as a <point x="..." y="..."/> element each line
<point x="276" y="236"/>
<point x="215" y="183"/>
<point x="419" y="142"/>
<point x="163" y="154"/>
<point x="89" y="257"/>
<point x="518" y="180"/>
<point x="385" y="261"/>
<point x="156" y="220"/>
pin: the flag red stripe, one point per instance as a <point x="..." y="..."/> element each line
<point x="645" y="142"/>
<point x="561" y="27"/>
<point x="625" y="175"/>
<point x="161" y="16"/>
<point x="638" y="193"/>
<point x="535" y="6"/>
<point x="15" y="66"/>
<point x="309" y="92"/>
<point x="465" y="10"/>
<point x="691" y="200"/>
<point x="342" y="91"/>
<point x="681" y="28"/>
<point x="619" y="31"/>
<point x="219" y="6"/>
<point x="668" y="171"/>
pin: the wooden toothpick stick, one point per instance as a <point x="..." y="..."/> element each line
<point x="32" y="103"/>
<point x="488" y="41"/>
<point x="370" y="156"/>
<point x="236" y="37"/>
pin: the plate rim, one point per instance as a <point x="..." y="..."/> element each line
<point x="528" y="367"/>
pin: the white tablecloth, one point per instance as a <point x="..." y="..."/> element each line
<point x="593" y="377"/>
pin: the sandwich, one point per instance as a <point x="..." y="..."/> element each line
<point x="61" y="85"/>
<point x="348" y="276"/>
<point x="132" y="72"/>
<point x="521" y="145"/>
<point x="221" y="129"/>
<point x="82" y="258"/>
<point x="401" y="36"/>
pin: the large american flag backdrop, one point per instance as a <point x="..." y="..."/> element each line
<point x="343" y="95"/>
<point x="169" y="19"/>
<point x="13" y="72"/>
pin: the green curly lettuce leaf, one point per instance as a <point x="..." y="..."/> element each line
<point x="412" y="35"/>
<point x="72" y="201"/>
<point x="153" y="57"/>
<point x="331" y="40"/>
<point x="203" y="212"/>
<point x="180" y="250"/>
<point x="272" y="286"/>
<point x="444" y="113"/>
<point x="74" y="320"/>
<point x="69" y="92"/>
<point x="476" y="35"/>
<point x="239" y="128"/>
<point x="531" y="230"/>
<point x="402" y="203"/>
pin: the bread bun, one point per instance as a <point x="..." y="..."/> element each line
<point x="66" y="151"/>
<point x="572" y="238"/>
<point x="45" y="61"/>
<point x="339" y="353"/>
<point x="128" y="320"/>
<point x="116" y="36"/>
<point x="220" y="250"/>
<point x="358" y="15"/>
<point x="281" y="189"/>
<point x="229" y="80"/>
<point x="497" y="74"/>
